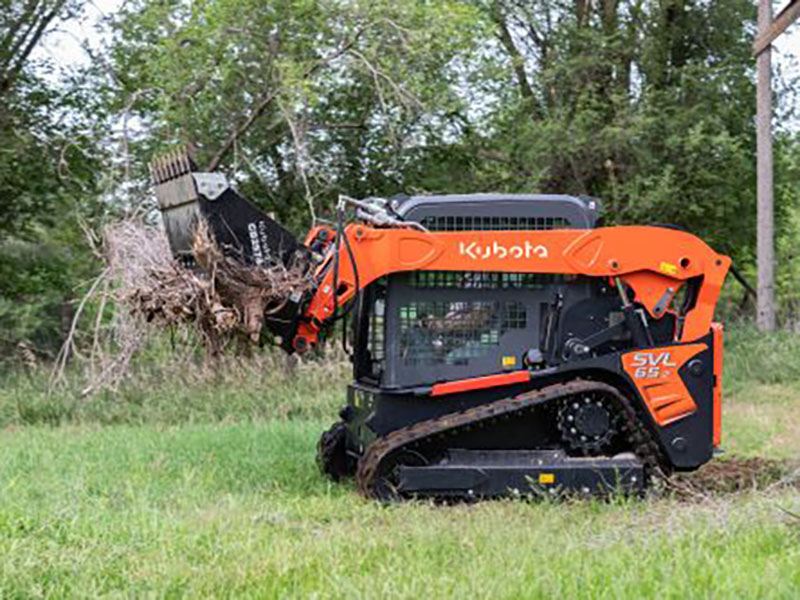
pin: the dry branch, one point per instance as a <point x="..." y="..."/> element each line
<point x="147" y="291"/>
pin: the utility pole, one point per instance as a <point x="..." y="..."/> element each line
<point x="765" y="234"/>
<point x="768" y="31"/>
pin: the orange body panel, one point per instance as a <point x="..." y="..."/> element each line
<point x="312" y="233"/>
<point x="718" y="332"/>
<point x="479" y="383"/>
<point x="654" y="261"/>
<point x="655" y="374"/>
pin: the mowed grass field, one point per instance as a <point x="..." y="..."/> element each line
<point x="191" y="488"/>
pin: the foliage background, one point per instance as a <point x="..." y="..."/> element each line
<point x="646" y="104"/>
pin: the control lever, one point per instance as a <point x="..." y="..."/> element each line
<point x="635" y="318"/>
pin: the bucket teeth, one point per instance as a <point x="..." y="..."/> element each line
<point x="171" y="166"/>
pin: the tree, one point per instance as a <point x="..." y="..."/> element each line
<point x="49" y="172"/>
<point x="647" y="105"/>
<point x="22" y="26"/>
<point x="301" y="99"/>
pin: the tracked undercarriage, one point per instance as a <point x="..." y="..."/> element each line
<point x="424" y="460"/>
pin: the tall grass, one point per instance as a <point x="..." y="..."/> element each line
<point x="175" y="389"/>
<point x="755" y="358"/>
<point x="166" y="387"/>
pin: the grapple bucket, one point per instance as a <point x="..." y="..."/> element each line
<point x="186" y="195"/>
<point x="240" y="229"/>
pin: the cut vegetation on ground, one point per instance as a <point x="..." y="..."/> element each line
<point x="201" y="487"/>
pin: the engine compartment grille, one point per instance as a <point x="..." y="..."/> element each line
<point x="488" y="223"/>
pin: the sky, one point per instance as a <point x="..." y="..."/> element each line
<point x="63" y="45"/>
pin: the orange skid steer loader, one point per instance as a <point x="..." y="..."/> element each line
<point x="502" y="343"/>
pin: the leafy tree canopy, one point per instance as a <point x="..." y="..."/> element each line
<point x="645" y="104"/>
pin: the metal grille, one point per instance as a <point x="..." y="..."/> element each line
<point x="452" y="333"/>
<point x="377" y="332"/>
<point x="486" y="223"/>
<point x="479" y="280"/>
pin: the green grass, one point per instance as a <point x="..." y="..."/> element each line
<point x="185" y="484"/>
<point x="182" y="391"/>
<point x="240" y="509"/>
<point x="753" y="359"/>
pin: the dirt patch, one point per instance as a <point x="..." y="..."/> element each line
<point x="735" y="475"/>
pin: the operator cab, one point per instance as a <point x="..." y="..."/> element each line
<point x="420" y="327"/>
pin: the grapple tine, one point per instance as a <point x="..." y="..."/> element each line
<point x="160" y="169"/>
<point x="170" y="160"/>
<point x="171" y="165"/>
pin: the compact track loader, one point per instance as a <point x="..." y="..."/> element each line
<point x="502" y="343"/>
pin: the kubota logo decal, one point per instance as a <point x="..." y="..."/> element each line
<point x="477" y="251"/>
<point x="652" y="365"/>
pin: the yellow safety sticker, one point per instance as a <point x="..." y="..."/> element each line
<point x="668" y="268"/>
<point x="547" y="478"/>
<point x="509" y="361"/>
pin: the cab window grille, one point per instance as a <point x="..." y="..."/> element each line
<point x="485" y="223"/>
<point x="514" y="316"/>
<point x="452" y="333"/>
<point x="480" y="280"/>
<point x="377" y="333"/>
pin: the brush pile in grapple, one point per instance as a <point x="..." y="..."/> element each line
<point x="220" y="298"/>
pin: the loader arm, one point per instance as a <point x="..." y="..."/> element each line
<point x="654" y="262"/>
